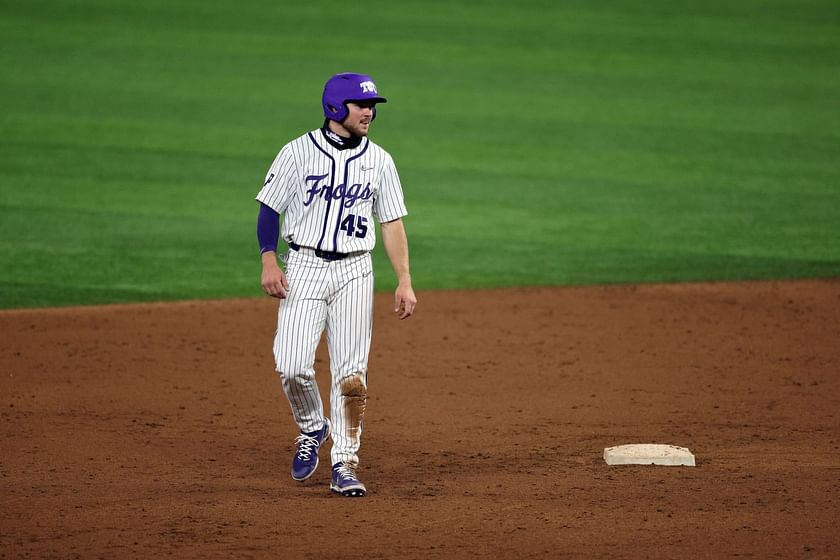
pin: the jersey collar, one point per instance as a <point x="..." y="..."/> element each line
<point x="339" y="142"/>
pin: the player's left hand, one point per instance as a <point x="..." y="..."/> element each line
<point x="404" y="301"/>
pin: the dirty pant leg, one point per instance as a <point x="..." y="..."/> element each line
<point x="349" y="325"/>
<point x="300" y="322"/>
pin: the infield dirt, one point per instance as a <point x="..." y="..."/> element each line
<point x="161" y="430"/>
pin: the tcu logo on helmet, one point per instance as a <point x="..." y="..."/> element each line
<point x="368" y="87"/>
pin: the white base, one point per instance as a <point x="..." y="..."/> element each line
<point x="648" y="454"/>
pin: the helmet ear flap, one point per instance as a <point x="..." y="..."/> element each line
<point x="335" y="113"/>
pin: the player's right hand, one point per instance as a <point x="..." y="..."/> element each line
<point x="273" y="280"/>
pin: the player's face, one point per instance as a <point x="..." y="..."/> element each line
<point x="359" y="116"/>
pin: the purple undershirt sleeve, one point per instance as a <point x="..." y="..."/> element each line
<point x="268" y="228"/>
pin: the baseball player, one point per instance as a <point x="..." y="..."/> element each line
<point x="329" y="184"/>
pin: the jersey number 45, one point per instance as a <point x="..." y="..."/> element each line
<point x="354" y="226"/>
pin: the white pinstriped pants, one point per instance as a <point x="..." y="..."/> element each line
<point x="337" y="295"/>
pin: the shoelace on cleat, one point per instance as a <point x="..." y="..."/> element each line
<point x="346" y="473"/>
<point x="305" y="445"/>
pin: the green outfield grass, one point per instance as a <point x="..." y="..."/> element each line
<point x="539" y="143"/>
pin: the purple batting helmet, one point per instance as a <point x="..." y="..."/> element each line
<point x="342" y="88"/>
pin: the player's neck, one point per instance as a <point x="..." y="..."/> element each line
<point x="338" y="136"/>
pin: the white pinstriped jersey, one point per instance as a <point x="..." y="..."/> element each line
<point x="329" y="196"/>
